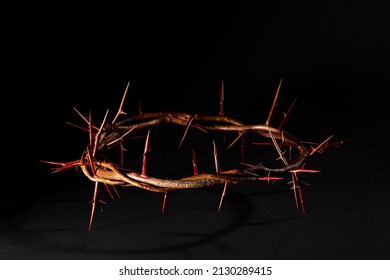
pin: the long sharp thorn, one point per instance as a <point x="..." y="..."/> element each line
<point x="121" y="138"/>
<point x="303" y="170"/>
<point x="295" y="190"/>
<point x="269" y="178"/>
<point x="274" y="103"/>
<point x="194" y="166"/>
<point x="84" y="118"/>
<point x="116" y="191"/>
<point x="120" y="111"/>
<point x="90" y="128"/>
<point x="64" y="165"/>
<point x="216" y="161"/>
<point x="320" y="145"/>
<point x="77" y="126"/>
<point x="98" y="134"/>
<point x="108" y="190"/>
<point x="221" y="98"/>
<point x="164" y="203"/>
<point x="186" y="131"/>
<point x="222" y="196"/>
<point x="286" y="114"/>
<point x="94" y="200"/>
<point x="81" y="115"/>
<point x="277" y="148"/>
<point x="240" y="134"/>
<point x="143" y="174"/>
<point x="139" y="108"/>
<point x="301" y="200"/>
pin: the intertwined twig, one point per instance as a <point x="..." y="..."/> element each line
<point x="100" y="169"/>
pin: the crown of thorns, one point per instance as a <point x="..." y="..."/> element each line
<point x="104" y="171"/>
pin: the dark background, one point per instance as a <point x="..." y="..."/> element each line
<point x="332" y="55"/>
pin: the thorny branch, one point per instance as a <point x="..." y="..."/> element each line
<point x="102" y="170"/>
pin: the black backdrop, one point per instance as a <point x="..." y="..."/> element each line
<point x="332" y="56"/>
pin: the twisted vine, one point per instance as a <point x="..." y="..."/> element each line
<point x="98" y="168"/>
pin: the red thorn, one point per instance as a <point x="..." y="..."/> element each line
<point x="121" y="138"/>
<point x="120" y="111"/>
<point x="221" y="98"/>
<point x="90" y="128"/>
<point x="240" y="134"/>
<point x="286" y="114"/>
<point x="216" y="161"/>
<point x="222" y="196"/>
<point x="295" y="189"/>
<point x="302" y="170"/>
<point x="164" y="202"/>
<point x="194" y="166"/>
<point x="98" y="134"/>
<point x="301" y="200"/>
<point x="269" y="178"/>
<point x="116" y="191"/>
<point x="320" y="145"/>
<point x="186" y="131"/>
<point x="63" y="165"/>
<point x="108" y="190"/>
<point x="83" y="117"/>
<point x="94" y="200"/>
<point x="77" y="126"/>
<point x="277" y="148"/>
<point x="143" y="174"/>
<point x="274" y="103"/>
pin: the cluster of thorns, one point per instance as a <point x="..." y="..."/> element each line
<point x="101" y="170"/>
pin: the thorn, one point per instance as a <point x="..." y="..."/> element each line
<point x="121" y="138"/>
<point x="185" y="132"/>
<point x="84" y="118"/>
<point x="320" y="145"/>
<point x="294" y="187"/>
<point x="98" y="134"/>
<point x="286" y="114"/>
<point x="240" y="134"/>
<point x="77" y="126"/>
<point x="222" y="196"/>
<point x="279" y="158"/>
<point x="269" y="178"/>
<point x="143" y="174"/>
<point x="221" y="98"/>
<point x="164" y="202"/>
<point x="94" y="199"/>
<point x="120" y="111"/>
<point x="277" y="148"/>
<point x="108" y="190"/>
<point x="90" y="128"/>
<point x="274" y="103"/>
<point x="92" y="166"/>
<point x="301" y="200"/>
<point x="194" y="166"/>
<point x="116" y="191"/>
<point x="63" y="165"/>
<point x="302" y="170"/>
<point x="216" y="161"/>
<point x="269" y="173"/>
